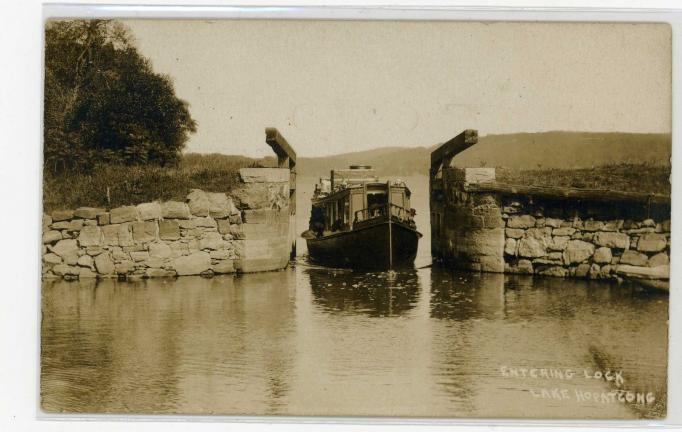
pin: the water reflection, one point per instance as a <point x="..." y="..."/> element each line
<point x="311" y="341"/>
<point x="375" y="294"/>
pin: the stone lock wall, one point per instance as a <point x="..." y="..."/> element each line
<point x="499" y="231"/>
<point x="210" y="233"/>
<point x="576" y="247"/>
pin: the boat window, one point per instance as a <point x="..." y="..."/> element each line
<point x="397" y="198"/>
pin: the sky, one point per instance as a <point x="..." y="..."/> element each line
<point x="339" y="86"/>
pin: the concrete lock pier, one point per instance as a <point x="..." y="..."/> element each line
<point x="251" y="229"/>
<point x="480" y="224"/>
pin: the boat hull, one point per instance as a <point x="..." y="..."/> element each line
<point x="367" y="247"/>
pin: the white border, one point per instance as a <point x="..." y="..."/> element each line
<point x="20" y="180"/>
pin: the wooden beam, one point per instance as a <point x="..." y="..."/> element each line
<point x="601" y="195"/>
<point x="453" y="147"/>
<point x="280" y="146"/>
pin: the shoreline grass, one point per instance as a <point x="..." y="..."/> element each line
<point x="622" y="177"/>
<point x="135" y="184"/>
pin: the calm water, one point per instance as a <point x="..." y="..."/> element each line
<point x="314" y="341"/>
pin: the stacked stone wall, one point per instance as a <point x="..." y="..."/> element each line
<point x="577" y="247"/>
<point x="209" y="233"/>
<point x="498" y="231"/>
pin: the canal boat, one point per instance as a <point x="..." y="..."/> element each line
<point x="358" y="221"/>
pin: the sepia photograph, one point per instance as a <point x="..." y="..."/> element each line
<point x="345" y="218"/>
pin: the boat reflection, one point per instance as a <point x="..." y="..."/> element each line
<point x="371" y="293"/>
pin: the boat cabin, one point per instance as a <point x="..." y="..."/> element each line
<point x="354" y="197"/>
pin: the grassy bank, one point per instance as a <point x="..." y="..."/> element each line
<point x="142" y="183"/>
<point x="625" y="177"/>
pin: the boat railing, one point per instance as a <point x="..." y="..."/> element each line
<point x="380" y="211"/>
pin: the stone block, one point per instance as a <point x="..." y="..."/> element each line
<point x="558" y="243"/>
<point x="47" y="220"/>
<point x="175" y="210"/>
<point x="52" y="258"/>
<point x="159" y="272"/>
<point x="90" y="236"/>
<point x="179" y="249"/>
<point x="62" y="215"/>
<point x="658" y="260"/>
<point x="149" y="211"/>
<point x="578" y="251"/>
<point x="160" y="250"/>
<point x="104" y="264"/>
<point x="236" y="218"/>
<point x="192" y="264"/>
<point x="523" y="221"/>
<point x="554" y="223"/>
<point x="514" y="233"/>
<point x="154" y="262"/>
<point x="87" y="212"/>
<point x="65" y="270"/>
<point x="219" y="205"/>
<point x="223" y="226"/>
<point x="117" y="235"/>
<point x="223" y="267"/>
<point x="651" y="243"/>
<point x="63" y="225"/>
<point x="205" y="222"/>
<point x="139" y="256"/>
<point x="145" y="231"/>
<point x="563" y="231"/>
<point x="75" y="225"/>
<point x="123" y="214"/>
<point x="51" y="236"/>
<point x="71" y="258"/>
<point x="613" y="225"/>
<point x="531" y="247"/>
<point x="124" y="267"/>
<point x="211" y="241"/>
<point x="198" y="202"/>
<point x="582" y="270"/>
<point x="237" y="231"/>
<point x="86" y="273"/>
<point x="510" y="247"/>
<point x="64" y="247"/>
<point x="103" y="218"/>
<point x="260" y="264"/>
<point x="94" y="250"/>
<point x="648" y="223"/>
<point x="556" y="257"/>
<point x="665" y="225"/>
<point x="169" y="230"/>
<point x="634" y="258"/>
<point x="553" y="271"/>
<point x="603" y="255"/>
<point x="118" y="254"/>
<point x="612" y="240"/>
<point x="264" y="175"/>
<point x="592" y="225"/>
<point x="86" y="261"/>
<point x="220" y="254"/>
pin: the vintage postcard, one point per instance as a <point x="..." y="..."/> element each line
<point x="356" y="218"/>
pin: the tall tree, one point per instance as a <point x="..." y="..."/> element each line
<point x="104" y="103"/>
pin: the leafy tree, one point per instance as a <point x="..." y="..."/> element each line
<point x="103" y="103"/>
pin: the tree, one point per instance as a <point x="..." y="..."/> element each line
<point x="103" y="103"/>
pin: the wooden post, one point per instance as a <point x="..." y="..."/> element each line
<point x="286" y="158"/>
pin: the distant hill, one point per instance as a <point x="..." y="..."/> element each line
<point x="516" y="151"/>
